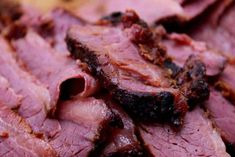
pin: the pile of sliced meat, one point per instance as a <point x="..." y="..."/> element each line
<point x="128" y="78"/>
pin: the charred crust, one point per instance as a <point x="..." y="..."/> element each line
<point x="15" y="31"/>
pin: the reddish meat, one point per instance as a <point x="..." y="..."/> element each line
<point x="180" y="47"/>
<point x="158" y="10"/>
<point x="215" y="28"/>
<point x="35" y="104"/>
<point x="141" y="87"/>
<point x="16" y="138"/>
<point x="222" y="113"/>
<point x="8" y="95"/>
<point x="85" y="124"/>
<point x="63" y="77"/>
<point x="123" y="142"/>
<point x="196" y="138"/>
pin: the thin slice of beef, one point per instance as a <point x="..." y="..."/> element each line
<point x="196" y="138"/>
<point x="16" y="138"/>
<point x="123" y="142"/>
<point x="8" y="95"/>
<point x="214" y="27"/>
<point x="85" y="124"/>
<point x="142" y="88"/>
<point x="168" y="11"/>
<point x="180" y="47"/>
<point x="225" y="84"/>
<point x="63" y="77"/>
<point x="222" y="113"/>
<point x="35" y="104"/>
<point x="190" y="78"/>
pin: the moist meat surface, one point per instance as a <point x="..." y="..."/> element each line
<point x="197" y="138"/>
<point x="16" y="138"/>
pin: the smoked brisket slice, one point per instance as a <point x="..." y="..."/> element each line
<point x="85" y="125"/>
<point x="16" y="138"/>
<point x="35" y="104"/>
<point x="63" y="77"/>
<point x="142" y="88"/>
<point x="196" y="138"/>
<point x="222" y="113"/>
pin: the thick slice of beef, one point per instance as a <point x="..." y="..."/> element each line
<point x="215" y="28"/>
<point x="8" y="95"/>
<point x="85" y="124"/>
<point x="222" y="113"/>
<point x="196" y="138"/>
<point x="190" y="78"/>
<point x="123" y="142"/>
<point x="63" y="77"/>
<point x="35" y="104"/>
<point x="140" y="87"/>
<point x="168" y="11"/>
<point x="180" y="47"/>
<point x="16" y="138"/>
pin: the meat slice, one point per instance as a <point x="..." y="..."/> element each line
<point x="215" y="28"/>
<point x="225" y="84"/>
<point x="16" y="138"/>
<point x="63" y="77"/>
<point x="181" y="46"/>
<point x="123" y="142"/>
<point x="140" y="87"/>
<point x="196" y="138"/>
<point x="61" y="20"/>
<point x="222" y="113"/>
<point x="158" y="10"/>
<point x="35" y="104"/>
<point x="85" y="124"/>
<point x="8" y="95"/>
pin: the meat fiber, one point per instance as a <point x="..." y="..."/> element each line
<point x="35" y="104"/>
<point x="8" y="95"/>
<point x="63" y="77"/>
<point x="123" y="142"/>
<point x="16" y="138"/>
<point x="158" y="11"/>
<point x="196" y="138"/>
<point x="215" y="28"/>
<point x="85" y="124"/>
<point x="222" y="113"/>
<point x="140" y="87"/>
<point x="225" y="83"/>
<point x="181" y="46"/>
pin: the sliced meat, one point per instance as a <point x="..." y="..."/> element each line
<point x="226" y="83"/>
<point x="123" y="142"/>
<point x="140" y="87"/>
<point x="63" y="77"/>
<point x="62" y="20"/>
<point x="35" y="104"/>
<point x="181" y="46"/>
<point x="85" y="124"/>
<point x="222" y="113"/>
<point x="16" y="138"/>
<point x="196" y="138"/>
<point x="158" y="10"/>
<point x="8" y="95"/>
<point x="215" y="28"/>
